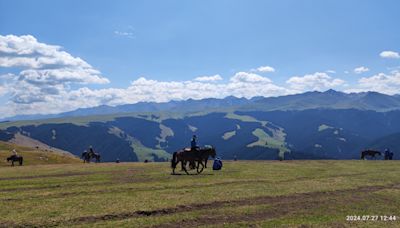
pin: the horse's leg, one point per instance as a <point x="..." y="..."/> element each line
<point x="205" y="163"/>
<point x="184" y="168"/>
<point x="202" y="167"/>
<point x="183" y="164"/>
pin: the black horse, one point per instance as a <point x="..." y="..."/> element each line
<point x="15" y="158"/>
<point x="371" y="153"/>
<point x="87" y="157"/>
<point x="192" y="156"/>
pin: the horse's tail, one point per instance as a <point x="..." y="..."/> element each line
<point x="21" y="161"/>
<point x="173" y="160"/>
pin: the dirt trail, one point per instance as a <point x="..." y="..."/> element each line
<point x="282" y="205"/>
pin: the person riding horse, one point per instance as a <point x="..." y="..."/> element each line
<point x="194" y="148"/>
<point x="193" y="143"/>
<point x="15" y="157"/>
<point x="91" y="151"/>
<point x="87" y="155"/>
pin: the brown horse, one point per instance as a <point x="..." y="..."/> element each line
<point x="370" y="153"/>
<point x="193" y="156"/>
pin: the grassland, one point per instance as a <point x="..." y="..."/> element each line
<point x="33" y="156"/>
<point x="244" y="193"/>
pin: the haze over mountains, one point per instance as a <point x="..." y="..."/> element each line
<point x="311" y="125"/>
<point x="329" y="99"/>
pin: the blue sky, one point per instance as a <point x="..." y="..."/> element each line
<point x="177" y="41"/>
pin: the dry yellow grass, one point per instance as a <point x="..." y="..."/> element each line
<point x="33" y="156"/>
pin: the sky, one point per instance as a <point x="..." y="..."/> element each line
<point x="58" y="56"/>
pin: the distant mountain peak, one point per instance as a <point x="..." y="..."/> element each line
<point x="332" y="91"/>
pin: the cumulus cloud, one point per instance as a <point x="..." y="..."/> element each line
<point x="45" y="75"/>
<point x="249" y="78"/>
<point x="264" y="69"/>
<point x="360" y="70"/>
<point x="390" y="55"/>
<point x="383" y="83"/>
<point x="317" y="81"/>
<point x="213" y="78"/>
<point x="47" y="79"/>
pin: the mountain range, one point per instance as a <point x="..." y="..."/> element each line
<point x="311" y="125"/>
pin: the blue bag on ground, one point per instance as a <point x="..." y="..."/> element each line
<point x="217" y="164"/>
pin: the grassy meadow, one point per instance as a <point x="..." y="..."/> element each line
<point x="33" y="156"/>
<point x="243" y="194"/>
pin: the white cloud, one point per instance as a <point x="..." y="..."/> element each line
<point x="390" y="55"/>
<point x="249" y="78"/>
<point x="45" y="75"/>
<point x="264" y="69"/>
<point x="330" y="71"/>
<point x="213" y="78"/>
<point x="317" y="81"/>
<point x="360" y="70"/>
<point x="49" y="80"/>
<point x="29" y="99"/>
<point x="383" y="83"/>
<point x="130" y="35"/>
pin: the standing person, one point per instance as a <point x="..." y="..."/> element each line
<point x="387" y="154"/>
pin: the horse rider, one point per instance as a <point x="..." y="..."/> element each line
<point x="14" y="153"/>
<point x="91" y="151"/>
<point x="193" y="147"/>
<point x="193" y="143"/>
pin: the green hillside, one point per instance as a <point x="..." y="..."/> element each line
<point x="33" y="156"/>
<point x="243" y="194"/>
<point x="250" y="135"/>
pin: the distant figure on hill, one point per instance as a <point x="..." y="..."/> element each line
<point x="387" y="154"/>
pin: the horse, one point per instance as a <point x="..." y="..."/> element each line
<point x="87" y="157"/>
<point x="15" y="158"/>
<point x="192" y="156"/>
<point x="371" y="153"/>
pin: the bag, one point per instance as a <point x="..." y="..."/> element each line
<point x="217" y="164"/>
